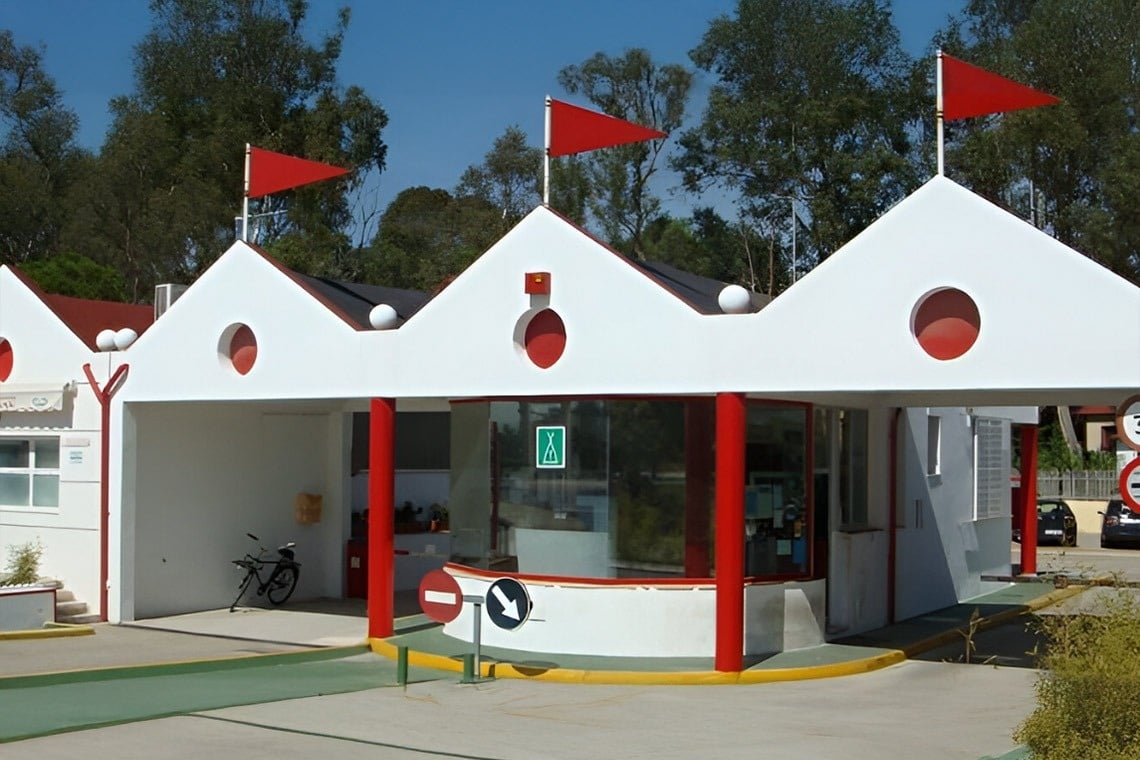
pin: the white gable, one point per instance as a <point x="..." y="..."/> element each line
<point x="303" y="348"/>
<point x="44" y="349"/>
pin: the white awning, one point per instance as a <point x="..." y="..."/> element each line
<point x="32" y="398"/>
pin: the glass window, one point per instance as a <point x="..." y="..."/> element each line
<point x="933" y="445"/>
<point x="29" y="472"/>
<point x="775" y="519"/>
<point x="853" y="469"/>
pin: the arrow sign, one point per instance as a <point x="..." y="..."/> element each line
<point x="508" y="603"/>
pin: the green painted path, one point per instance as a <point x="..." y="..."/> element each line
<point x="46" y="704"/>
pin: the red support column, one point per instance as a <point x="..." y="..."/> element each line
<point x="730" y="438"/>
<point x="1028" y="499"/>
<point x="699" y="442"/>
<point x="381" y="517"/>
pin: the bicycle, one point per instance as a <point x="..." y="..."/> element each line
<point x="278" y="587"/>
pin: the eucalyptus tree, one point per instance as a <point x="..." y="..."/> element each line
<point x="39" y="156"/>
<point x="1072" y="169"/>
<point x="813" y="106"/>
<point x="211" y="76"/>
<point x="634" y="88"/>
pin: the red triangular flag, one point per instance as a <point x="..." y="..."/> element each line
<point x="575" y="130"/>
<point x="970" y="91"/>
<point x="271" y="172"/>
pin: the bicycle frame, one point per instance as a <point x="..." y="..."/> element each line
<point x="253" y="567"/>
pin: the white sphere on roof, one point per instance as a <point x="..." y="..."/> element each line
<point x="734" y="300"/>
<point x="105" y="340"/>
<point x="124" y="338"/>
<point x="383" y="317"/>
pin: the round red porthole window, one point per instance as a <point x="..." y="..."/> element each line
<point x="545" y="338"/>
<point x="946" y="323"/>
<point x="243" y="349"/>
<point x="6" y="360"/>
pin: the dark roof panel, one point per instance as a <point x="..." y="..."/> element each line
<point x="355" y="301"/>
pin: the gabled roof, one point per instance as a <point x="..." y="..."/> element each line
<point x="87" y="317"/>
<point x="699" y="292"/>
<point x="355" y="300"/>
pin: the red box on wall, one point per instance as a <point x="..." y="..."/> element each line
<point x="356" y="570"/>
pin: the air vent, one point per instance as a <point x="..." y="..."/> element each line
<point x="165" y="295"/>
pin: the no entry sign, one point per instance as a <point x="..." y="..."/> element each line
<point x="1130" y="484"/>
<point x="440" y="596"/>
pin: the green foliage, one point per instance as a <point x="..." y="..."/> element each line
<point x="38" y="154"/>
<point x="70" y="274"/>
<point x="24" y="563"/>
<point x="630" y="87"/>
<point x="814" y="100"/>
<point x="708" y="245"/>
<point x="1073" y="168"/>
<point x="1088" y="686"/>
<point x="213" y="75"/>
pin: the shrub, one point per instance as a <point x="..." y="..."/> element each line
<point x="24" y="563"/>
<point x="1087" y="690"/>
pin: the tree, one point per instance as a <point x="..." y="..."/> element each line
<point x="211" y="76"/>
<point x="38" y="154"/>
<point x="68" y="274"/>
<point x="814" y="102"/>
<point x="631" y="87"/>
<point x="510" y="179"/>
<point x="1073" y="169"/>
<point x="427" y="236"/>
<point x="710" y="246"/>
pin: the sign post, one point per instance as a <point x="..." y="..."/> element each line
<point x="477" y="608"/>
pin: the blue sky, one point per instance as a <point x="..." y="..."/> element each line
<point x="451" y="74"/>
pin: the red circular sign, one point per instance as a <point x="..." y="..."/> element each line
<point x="440" y="596"/>
<point x="1130" y="485"/>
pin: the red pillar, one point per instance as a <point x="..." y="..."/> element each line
<point x="1028" y="499"/>
<point x="699" y="464"/>
<point x="381" y="517"/>
<point x="730" y="438"/>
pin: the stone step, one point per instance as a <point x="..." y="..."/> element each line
<point x="63" y="595"/>
<point x="85" y="619"/>
<point x="69" y="609"/>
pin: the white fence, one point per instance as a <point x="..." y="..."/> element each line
<point x="1086" y="484"/>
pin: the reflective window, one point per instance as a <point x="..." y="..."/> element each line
<point x="29" y="472"/>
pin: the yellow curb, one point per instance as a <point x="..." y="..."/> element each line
<point x="385" y="648"/>
<point x="999" y="618"/>
<point x="52" y="631"/>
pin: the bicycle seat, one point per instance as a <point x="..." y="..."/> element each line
<point x="286" y="551"/>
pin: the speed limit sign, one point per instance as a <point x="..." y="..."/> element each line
<point x="1128" y="422"/>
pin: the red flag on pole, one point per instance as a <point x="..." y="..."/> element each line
<point x="576" y="130"/>
<point x="271" y="172"/>
<point x="971" y="91"/>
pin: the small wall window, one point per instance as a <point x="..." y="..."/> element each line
<point x="853" y="469"/>
<point x="991" y="468"/>
<point x="933" y="445"/>
<point x="29" y="472"/>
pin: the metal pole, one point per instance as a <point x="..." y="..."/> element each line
<point x="546" y="159"/>
<point x="793" y="202"/>
<point x="938" y="110"/>
<point x="245" y="200"/>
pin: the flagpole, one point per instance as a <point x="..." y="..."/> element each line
<point x="938" y="110"/>
<point x="245" y="200"/>
<point x="546" y="159"/>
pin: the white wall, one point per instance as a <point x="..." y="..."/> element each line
<point x="644" y="620"/>
<point x="208" y="473"/>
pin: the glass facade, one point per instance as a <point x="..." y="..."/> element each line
<point x="29" y="472"/>
<point x="624" y="488"/>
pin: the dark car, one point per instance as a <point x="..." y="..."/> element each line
<point x="1120" y="525"/>
<point x="1056" y="524"/>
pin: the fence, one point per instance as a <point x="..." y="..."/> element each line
<point x="1083" y="484"/>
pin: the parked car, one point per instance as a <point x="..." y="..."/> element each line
<point x="1120" y="526"/>
<point x="1056" y="524"/>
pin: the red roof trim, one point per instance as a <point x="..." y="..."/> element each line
<point x="86" y="317"/>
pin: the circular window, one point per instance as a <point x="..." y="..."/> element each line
<point x="545" y="338"/>
<point x="238" y="347"/>
<point x="6" y="359"/>
<point x="946" y="323"/>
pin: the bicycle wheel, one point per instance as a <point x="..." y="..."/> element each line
<point x="282" y="583"/>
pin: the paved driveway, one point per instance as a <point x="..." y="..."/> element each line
<point x="915" y="709"/>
